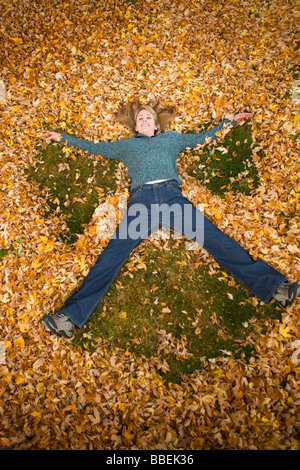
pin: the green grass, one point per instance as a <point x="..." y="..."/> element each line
<point x="3" y="252"/>
<point x="163" y="297"/>
<point x="16" y="247"/>
<point x="73" y="183"/>
<point x="233" y="171"/>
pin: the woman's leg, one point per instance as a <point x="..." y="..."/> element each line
<point x="258" y="276"/>
<point x="80" y="306"/>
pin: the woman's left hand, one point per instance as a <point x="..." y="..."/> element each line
<point x="241" y="116"/>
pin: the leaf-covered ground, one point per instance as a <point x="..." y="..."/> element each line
<point x="66" y="65"/>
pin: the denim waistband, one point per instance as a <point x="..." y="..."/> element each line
<point x="152" y="185"/>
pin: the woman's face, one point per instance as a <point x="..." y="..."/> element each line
<point x="145" y="123"/>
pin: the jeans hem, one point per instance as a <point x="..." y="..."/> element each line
<point x="270" y="296"/>
<point x="70" y="317"/>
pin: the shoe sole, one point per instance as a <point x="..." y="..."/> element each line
<point x="48" y="323"/>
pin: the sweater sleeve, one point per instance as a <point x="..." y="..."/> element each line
<point x="192" y="140"/>
<point x="113" y="150"/>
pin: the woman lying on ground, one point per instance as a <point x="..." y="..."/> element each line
<point x="155" y="194"/>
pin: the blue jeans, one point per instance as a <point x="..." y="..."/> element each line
<point x="162" y="204"/>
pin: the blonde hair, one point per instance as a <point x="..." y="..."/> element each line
<point x="127" y="113"/>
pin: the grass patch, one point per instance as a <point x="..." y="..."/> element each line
<point x="73" y="182"/>
<point x="164" y="303"/>
<point x="16" y="247"/>
<point x="3" y="252"/>
<point x="233" y="171"/>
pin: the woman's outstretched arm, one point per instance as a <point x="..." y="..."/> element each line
<point x="113" y="150"/>
<point x="192" y="140"/>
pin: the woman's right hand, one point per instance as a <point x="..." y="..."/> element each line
<point x="51" y="136"/>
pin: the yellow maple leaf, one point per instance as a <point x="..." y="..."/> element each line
<point x="19" y="342"/>
<point x="127" y="434"/>
<point x="17" y="40"/>
<point x="4" y="441"/>
<point x="40" y="388"/>
<point x="36" y="414"/>
<point x="217" y="214"/>
<point x="36" y="263"/>
<point x="134" y="340"/>
<point x="284" y="331"/>
<point x="19" y="379"/>
<point x="218" y="372"/>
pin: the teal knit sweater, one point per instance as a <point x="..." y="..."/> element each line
<point x="147" y="158"/>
